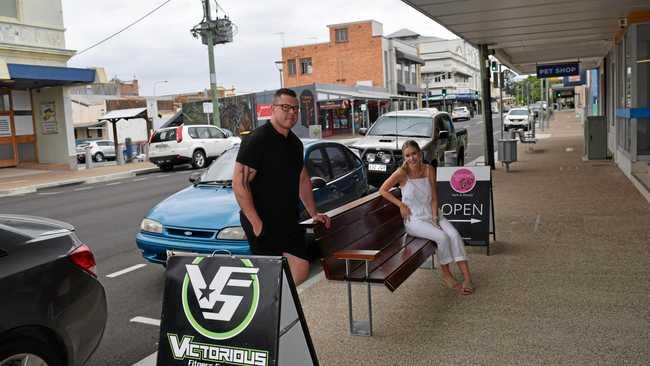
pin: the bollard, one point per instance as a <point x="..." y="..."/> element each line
<point x="88" y="158"/>
<point x="120" y="155"/>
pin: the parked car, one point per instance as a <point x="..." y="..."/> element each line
<point x="100" y="150"/>
<point x="517" y="118"/>
<point x="193" y="144"/>
<point x="204" y="217"/>
<point x="53" y="308"/>
<point x="433" y="130"/>
<point x="461" y="113"/>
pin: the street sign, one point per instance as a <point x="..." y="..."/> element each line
<point x="465" y="199"/>
<point x="554" y="70"/>
<point x="232" y="310"/>
<point x="207" y="107"/>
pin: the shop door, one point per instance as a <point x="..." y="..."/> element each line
<point x="8" y="153"/>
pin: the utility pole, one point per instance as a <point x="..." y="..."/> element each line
<point x="487" y="109"/>
<point x="501" y="99"/>
<point x="213" y="31"/>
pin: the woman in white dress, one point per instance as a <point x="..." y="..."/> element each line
<point x="419" y="209"/>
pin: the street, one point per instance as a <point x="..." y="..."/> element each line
<point x="476" y="132"/>
<point x="107" y="217"/>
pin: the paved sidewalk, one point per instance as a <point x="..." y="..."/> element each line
<point x="567" y="283"/>
<point x="14" y="181"/>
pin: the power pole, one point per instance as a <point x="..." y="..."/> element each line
<point x="213" y="31"/>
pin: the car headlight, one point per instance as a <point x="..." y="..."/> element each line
<point x="386" y="158"/>
<point x="151" y="226"/>
<point x="232" y="233"/>
<point x="371" y="157"/>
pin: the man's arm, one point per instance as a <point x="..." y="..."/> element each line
<point x="241" y="179"/>
<point x="307" y="198"/>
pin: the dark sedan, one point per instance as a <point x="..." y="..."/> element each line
<point x="52" y="307"/>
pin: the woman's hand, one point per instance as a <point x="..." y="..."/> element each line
<point x="405" y="211"/>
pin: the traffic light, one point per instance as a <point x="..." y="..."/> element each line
<point x="444" y="93"/>
<point x="495" y="80"/>
<point x="557" y="95"/>
<point x="494" y="66"/>
<point x="476" y="94"/>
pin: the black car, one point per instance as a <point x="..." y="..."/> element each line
<point x="52" y="307"/>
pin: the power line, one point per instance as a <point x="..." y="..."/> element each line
<point x="123" y="29"/>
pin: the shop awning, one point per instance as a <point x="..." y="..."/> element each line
<point x="129" y="113"/>
<point x="407" y="88"/>
<point x="405" y="56"/>
<point x="362" y="94"/>
<point x="35" y="76"/>
<point x="90" y="124"/>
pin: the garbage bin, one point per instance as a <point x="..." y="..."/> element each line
<point x="128" y="143"/>
<point x="507" y="151"/>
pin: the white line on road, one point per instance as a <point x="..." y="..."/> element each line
<point x="83" y="189"/>
<point x="149" y="361"/>
<point x="126" y="270"/>
<point x="568" y="149"/>
<point x="537" y="221"/>
<point x="144" y="320"/>
<point x="49" y="193"/>
<point x="140" y="179"/>
<point x="113" y="184"/>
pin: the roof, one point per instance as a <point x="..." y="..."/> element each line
<point x="89" y="124"/>
<point x="524" y="33"/>
<point x="402" y="33"/>
<point x="424" y="112"/>
<point x="128" y="113"/>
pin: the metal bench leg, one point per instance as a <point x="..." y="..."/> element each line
<point x="358" y="327"/>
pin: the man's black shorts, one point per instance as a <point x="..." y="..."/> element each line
<point x="274" y="242"/>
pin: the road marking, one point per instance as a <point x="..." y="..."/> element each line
<point x="568" y="149"/>
<point x="537" y="221"/>
<point x="148" y="361"/>
<point x="126" y="270"/>
<point x="113" y="184"/>
<point x="49" y="193"/>
<point x="83" y="189"/>
<point x="144" y="320"/>
<point x="140" y="179"/>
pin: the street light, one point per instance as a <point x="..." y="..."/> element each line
<point x="280" y="65"/>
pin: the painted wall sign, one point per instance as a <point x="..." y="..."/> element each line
<point x="49" y="124"/>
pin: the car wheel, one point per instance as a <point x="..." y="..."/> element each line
<point x="198" y="159"/>
<point x="29" y="351"/>
<point x="166" y="167"/>
<point x="98" y="157"/>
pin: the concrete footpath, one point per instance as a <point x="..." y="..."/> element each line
<point x="16" y="181"/>
<point x="567" y="281"/>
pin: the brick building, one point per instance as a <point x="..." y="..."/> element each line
<point x="359" y="70"/>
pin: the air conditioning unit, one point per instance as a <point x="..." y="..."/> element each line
<point x="622" y="23"/>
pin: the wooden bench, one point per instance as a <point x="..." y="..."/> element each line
<point x="367" y="243"/>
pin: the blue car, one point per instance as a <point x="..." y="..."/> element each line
<point x="204" y="217"/>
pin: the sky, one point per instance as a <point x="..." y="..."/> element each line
<point x="161" y="46"/>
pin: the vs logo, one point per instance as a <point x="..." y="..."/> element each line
<point x="215" y="308"/>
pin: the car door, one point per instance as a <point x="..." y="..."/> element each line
<point x="107" y="148"/>
<point x="345" y="177"/>
<point x="440" y="144"/>
<point x="318" y="167"/>
<point x="205" y="141"/>
<point x="219" y="140"/>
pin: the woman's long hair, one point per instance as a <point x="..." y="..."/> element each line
<point x="407" y="144"/>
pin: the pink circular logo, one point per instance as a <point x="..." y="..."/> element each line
<point x="463" y="180"/>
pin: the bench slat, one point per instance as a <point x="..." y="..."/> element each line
<point x="391" y="249"/>
<point x="363" y="255"/>
<point x="397" y="269"/>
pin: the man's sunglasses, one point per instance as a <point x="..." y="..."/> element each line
<point x="288" y="107"/>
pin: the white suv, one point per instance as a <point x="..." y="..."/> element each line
<point x="100" y="150"/>
<point x="517" y="118"/>
<point x="194" y="144"/>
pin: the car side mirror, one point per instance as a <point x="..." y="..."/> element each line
<point x="318" y="182"/>
<point x="363" y="131"/>
<point x="195" y="177"/>
<point x="443" y="135"/>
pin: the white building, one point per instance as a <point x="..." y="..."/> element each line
<point x="35" y="108"/>
<point x="451" y="65"/>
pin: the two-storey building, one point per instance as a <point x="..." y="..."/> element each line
<point x="35" y="108"/>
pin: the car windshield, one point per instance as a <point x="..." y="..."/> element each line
<point x="220" y="171"/>
<point x="402" y="126"/>
<point x="518" y="112"/>
<point x="459" y="109"/>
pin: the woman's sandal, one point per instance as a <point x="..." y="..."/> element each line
<point x="466" y="288"/>
<point x="451" y="283"/>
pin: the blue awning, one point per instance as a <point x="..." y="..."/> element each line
<point x="36" y="76"/>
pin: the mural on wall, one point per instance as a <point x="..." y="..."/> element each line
<point x="49" y="124"/>
<point x="236" y="113"/>
<point x="307" y="108"/>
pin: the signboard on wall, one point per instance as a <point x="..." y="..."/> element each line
<point x="5" y="126"/>
<point x="553" y="70"/>
<point x="49" y="124"/>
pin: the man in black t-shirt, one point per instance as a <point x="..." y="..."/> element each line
<point x="268" y="180"/>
